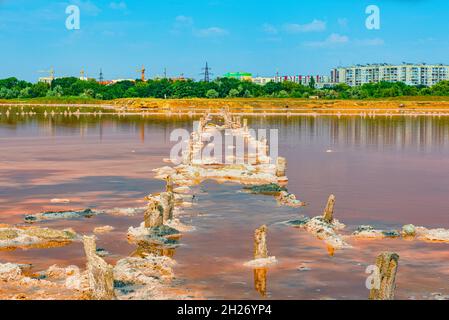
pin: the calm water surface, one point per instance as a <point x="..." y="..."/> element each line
<point x="384" y="171"/>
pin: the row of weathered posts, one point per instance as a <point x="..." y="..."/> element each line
<point x="100" y="273"/>
<point x="101" y="278"/>
<point x="386" y="263"/>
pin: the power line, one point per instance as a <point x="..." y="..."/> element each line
<point x="206" y="73"/>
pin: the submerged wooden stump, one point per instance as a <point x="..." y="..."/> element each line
<point x="387" y="264"/>
<point x="260" y="243"/>
<point x="329" y="210"/>
<point x="260" y="281"/>
<point x="100" y="273"/>
<point x="154" y="215"/>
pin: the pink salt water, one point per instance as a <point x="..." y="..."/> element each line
<point x="385" y="172"/>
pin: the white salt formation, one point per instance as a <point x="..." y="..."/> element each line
<point x="24" y="237"/>
<point x="261" y="258"/>
<point x="324" y="227"/>
<point x="328" y="232"/>
<point x="409" y="232"/>
<point x="103" y="229"/>
<point x="253" y="169"/>
<point x="78" y="214"/>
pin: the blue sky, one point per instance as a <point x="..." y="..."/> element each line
<point x="292" y="36"/>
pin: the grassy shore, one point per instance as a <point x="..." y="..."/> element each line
<point x="397" y="105"/>
<point x="54" y="100"/>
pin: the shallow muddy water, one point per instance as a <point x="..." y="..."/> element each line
<point x="384" y="171"/>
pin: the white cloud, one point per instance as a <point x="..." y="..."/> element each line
<point x="184" y="20"/>
<point x="370" y="42"/>
<point x="269" y="29"/>
<point x="336" y="39"/>
<point x="87" y="7"/>
<point x="333" y="40"/>
<point x="314" y="26"/>
<point x="182" y="24"/>
<point x="187" y="24"/>
<point x="211" y="32"/>
<point x="120" y="5"/>
<point x="342" y="22"/>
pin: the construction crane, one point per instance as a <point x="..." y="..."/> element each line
<point x="51" y="73"/>
<point x="142" y="73"/>
<point x="82" y="74"/>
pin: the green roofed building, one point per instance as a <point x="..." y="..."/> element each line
<point x="246" y="76"/>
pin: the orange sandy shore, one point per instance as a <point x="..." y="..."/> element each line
<point x="405" y="105"/>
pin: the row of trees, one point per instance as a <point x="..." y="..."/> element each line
<point x="12" y="88"/>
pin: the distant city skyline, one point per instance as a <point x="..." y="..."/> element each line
<point x="261" y="37"/>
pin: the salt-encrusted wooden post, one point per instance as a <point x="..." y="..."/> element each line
<point x="387" y="266"/>
<point x="227" y="119"/>
<point x="187" y="155"/>
<point x="328" y="214"/>
<point x="262" y="150"/>
<point x="191" y="156"/>
<point x="168" y="205"/>
<point x="201" y="125"/>
<point x="100" y="273"/>
<point x="154" y="215"/>
<point x="260" y="243"/>
<point x="245" y="125"/>
<point x="239" y="121"/>
<point x="281" y="167"/>
<point x="169" y="184"/>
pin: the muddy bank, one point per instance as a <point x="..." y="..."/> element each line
<point x="282" y="106"/>
<point x="254" y="106"/>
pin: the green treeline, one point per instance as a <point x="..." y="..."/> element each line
<point x="12" y="88"/>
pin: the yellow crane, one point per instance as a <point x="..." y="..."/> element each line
<point x="142" y="73"/>
<point x="51" y="72"/>
<point x="83" y="75"/>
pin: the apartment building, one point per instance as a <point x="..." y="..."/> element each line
<point x="320" y="81"/>
<point x="410" y="74"/>
<point x="262" y="80"/>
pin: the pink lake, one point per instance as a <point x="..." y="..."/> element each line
<point x="384" y="171"/>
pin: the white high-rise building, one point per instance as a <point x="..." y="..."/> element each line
<point x="410" y="74"/>
<point x="262" y="80"/>
<point x="320" y="81"/>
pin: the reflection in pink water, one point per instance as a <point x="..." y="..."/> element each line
<point x="384" y="172"/>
